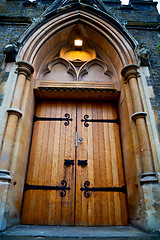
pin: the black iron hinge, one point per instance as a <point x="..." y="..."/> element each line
<point x="86" y="189"/>
<point x="86" y="120"/>
<point x="62" y="188"/>
<point x="67" y="119"/>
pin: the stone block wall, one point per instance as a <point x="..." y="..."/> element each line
<point x="140" y="18"/>
<point x="9" y="33"/>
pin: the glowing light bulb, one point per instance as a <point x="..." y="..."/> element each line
<point x="78" y="43"/>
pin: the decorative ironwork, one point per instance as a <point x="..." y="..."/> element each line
<point x="82" y="163"/>
<point x="67" y="119"/>
<point x="86" y="189"/>
<point x="86" y="120"/>
<point x="62" y="188"/>
<point x="68" y="163"/>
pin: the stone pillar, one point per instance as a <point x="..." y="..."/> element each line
<point x="130" y="75"/>
<point x="24" y="71"/>
<point x="149" y="188"/>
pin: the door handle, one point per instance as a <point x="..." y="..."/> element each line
<point x="82" y="163"/>
<point x="68" y="163"/>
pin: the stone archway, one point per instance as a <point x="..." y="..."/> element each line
<point x="116" y="50"/>
<point x="76" y="74"/>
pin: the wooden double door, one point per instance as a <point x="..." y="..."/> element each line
<point x="75" y="173"/>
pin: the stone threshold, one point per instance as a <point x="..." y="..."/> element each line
<point x="29" y="232"/>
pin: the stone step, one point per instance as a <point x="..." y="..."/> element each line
<point x="32" y="232"/>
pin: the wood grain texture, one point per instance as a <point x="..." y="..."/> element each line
<point x="53" y="142"/>
<point x="101" y="147"/>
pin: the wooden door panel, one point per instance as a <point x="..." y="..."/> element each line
<point x="101" y="148"/>
<point x="52" y="143"/>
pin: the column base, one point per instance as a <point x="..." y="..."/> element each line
<point x="150" y="207"/>
<point x="148" y="178"/>
<point x="5" y="180"/>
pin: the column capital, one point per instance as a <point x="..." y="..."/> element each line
<point x="139" y="115"/>
<point x="130" y="71"/>
<point x="15" y="111"/>
<point x="25" y="68"/>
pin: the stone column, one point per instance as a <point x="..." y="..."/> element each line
<point x="149" y="188"/>
<point x="130" y="75"/>
<point x="24" y="71"/>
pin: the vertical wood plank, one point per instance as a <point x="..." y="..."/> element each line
<point x="91" y="201"/>
<point x="81" y="213"/>
<point x="96" y="163"/>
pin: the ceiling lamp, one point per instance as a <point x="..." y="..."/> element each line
<point x="78" y="43"/>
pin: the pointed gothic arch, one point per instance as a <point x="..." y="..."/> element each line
<point x="114" y="46"/>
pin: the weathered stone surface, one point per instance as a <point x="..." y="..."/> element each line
<point x="150" y="194"/>
<point x="50" y="232"/>
<point x="4" y="185"/>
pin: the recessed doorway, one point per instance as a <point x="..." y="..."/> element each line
<point x="75" y="172"/>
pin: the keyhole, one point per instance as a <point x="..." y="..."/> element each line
<point x="80" y="140"/>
